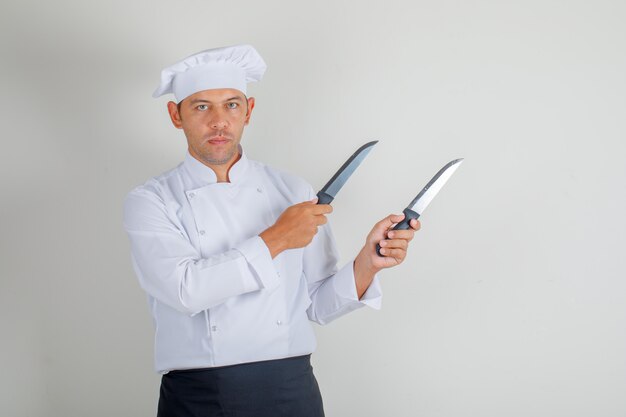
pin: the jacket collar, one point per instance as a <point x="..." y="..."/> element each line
<point x="204" y="175"/>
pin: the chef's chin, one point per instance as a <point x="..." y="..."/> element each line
<point x="219" y="158"/>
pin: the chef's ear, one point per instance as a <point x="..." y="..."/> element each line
<point x="174" y="111"/>
<point x="250" y="107"/>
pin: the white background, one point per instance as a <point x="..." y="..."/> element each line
<point x="511" y="302"/>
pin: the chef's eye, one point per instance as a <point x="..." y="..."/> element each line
<point x="202" y="107"/>
<point x="232" y="105"/>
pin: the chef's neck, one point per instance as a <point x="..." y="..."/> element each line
<point x="222" y="170"/>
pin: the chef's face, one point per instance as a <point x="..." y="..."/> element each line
<point x="213" y="121"/>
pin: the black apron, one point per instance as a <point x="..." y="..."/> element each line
<point x="276" y="388"/>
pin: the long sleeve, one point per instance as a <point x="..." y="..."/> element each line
<point x="171" y="270"/>
<point x="332" y="290"/>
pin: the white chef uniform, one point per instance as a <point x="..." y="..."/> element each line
<point x="216" y="295"/>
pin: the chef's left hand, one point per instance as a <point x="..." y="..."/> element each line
<point x="394" y="244"/>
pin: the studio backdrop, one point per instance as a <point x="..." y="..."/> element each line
<point x="511" y="301"/>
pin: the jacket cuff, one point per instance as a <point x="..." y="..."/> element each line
<point x="345" y="286"/>
<point x="259" y="260"/>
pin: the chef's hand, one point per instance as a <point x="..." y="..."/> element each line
<point x="394" y="244"/>
<point x="296" y="226"/>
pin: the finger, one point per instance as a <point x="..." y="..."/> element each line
<point x="317" y="209"/>
<point x="324" y="208"/>
<point x="397" y="254"/>
<point x="395" y="244"/>
<point x="321" y="219"/>
<point x="407" y="234"/>
<point x="415" y="224"/>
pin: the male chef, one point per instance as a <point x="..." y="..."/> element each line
<point x="236" y="257"/>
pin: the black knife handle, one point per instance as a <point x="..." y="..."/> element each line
<point x="403" y="225"/>
<point x="323" y="198"/>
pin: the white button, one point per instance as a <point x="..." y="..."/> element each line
<point x="259" y="190"/>
<point x="214" y="328"/>
<point x="279" y="322"/>
<point x="192" y="195"/>
<point x="201" y="232"/>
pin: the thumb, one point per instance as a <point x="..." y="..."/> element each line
<point x="389" y="221"/>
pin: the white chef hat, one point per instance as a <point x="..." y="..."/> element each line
<point x="227" y="67"/>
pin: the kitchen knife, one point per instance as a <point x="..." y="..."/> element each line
<point x="330" y="190"/>
<point x="423" y="199"/>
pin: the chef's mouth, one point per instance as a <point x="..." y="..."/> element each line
<point x="219" y="139"/>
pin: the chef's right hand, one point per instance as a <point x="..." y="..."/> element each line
<point x="296" y="226"/>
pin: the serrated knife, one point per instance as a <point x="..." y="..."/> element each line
<point x="332" y="187"/>
<point x="415" y="209"/>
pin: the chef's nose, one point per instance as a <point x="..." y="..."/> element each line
<point x="219" y="121"/>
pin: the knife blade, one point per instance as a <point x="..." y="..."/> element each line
<point x="415" y="209"/>
<point x="332" y="187"/>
